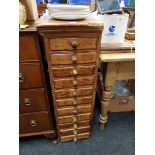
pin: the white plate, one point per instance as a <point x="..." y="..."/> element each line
<point x="66" y="7"/>
<point x="69" y="16"/>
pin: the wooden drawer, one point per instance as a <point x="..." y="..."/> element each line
<point x="72" y="43"/>
<point x="71" y="71"/>
<point x="32" y="100"/>
<point x="72" y="125"/>
<point x="30" y="75"/>
<point x="78" y="58"/>
<point x="75" y="101"/>
<point x="85" y="91"/>
<point x="74" y="131"/>
<point x="72" y="82"/>
<point x="74" y="118"/>
<point x="28" y="48"/>
<point x="72" y="110"/>
<point x="34" y="122"/>
<point x="73" y="137"/>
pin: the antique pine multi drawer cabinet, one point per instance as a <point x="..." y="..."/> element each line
<point x="72" y="50"/>
<point x="35" y="117"/>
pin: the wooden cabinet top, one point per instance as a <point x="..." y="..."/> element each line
<point x="88" y="23"/>
<point x="30" y="29"/>
<point x="45" y="22"/>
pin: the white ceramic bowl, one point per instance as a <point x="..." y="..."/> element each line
<point x="68" y="12"/>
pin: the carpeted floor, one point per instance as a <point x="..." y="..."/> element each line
<point x="118" y="138"/>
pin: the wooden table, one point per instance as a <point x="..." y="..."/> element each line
<point x="117" y="62"/>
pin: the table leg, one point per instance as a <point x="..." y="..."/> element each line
<point x="110" y="71"/>
<point x="106" y="98"/>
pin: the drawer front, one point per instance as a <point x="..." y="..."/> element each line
<point x="72" y="43"/>
<point x="73" y="137"/>
<point x="34" y="122"/>
<point x="74" y="118"/>
<point x="32" y="100"/>
<point x="75" y="101"/>
<point x="71" y="71"/>
<point x="28" y="49"/>
<point x="73" y="125"/>
<point x="74" y="92"/>
<point x="79" y="58"/>
<point x="30" y="75"/>
<point x="74" y="131"/>
<point x="71" y="82"/>
<point x="74" y="110"/>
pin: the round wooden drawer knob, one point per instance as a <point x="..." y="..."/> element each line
<point x="74" y="120"/>
<point x="74" y="93"/>
<point x="74" y="102"/>
<point x="75" y="111"/>
<point x="75" y="83"/>
<point x="75" y="126"/>
<point x="74" y="44"/>
<point x="75" y="132"/>
<point x="74" y="72"/>
<point x="74" y="59"/>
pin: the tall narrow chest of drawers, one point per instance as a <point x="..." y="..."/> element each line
<point x="72" y="51"/>
<point x="35" y="116"/>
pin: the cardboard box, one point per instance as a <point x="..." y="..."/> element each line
<point x="31" y="9"/>
<point x="122" y="104"/>
<point x="118" y="103"/>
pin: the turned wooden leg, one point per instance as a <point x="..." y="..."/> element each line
<point x="106" y="98"/>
